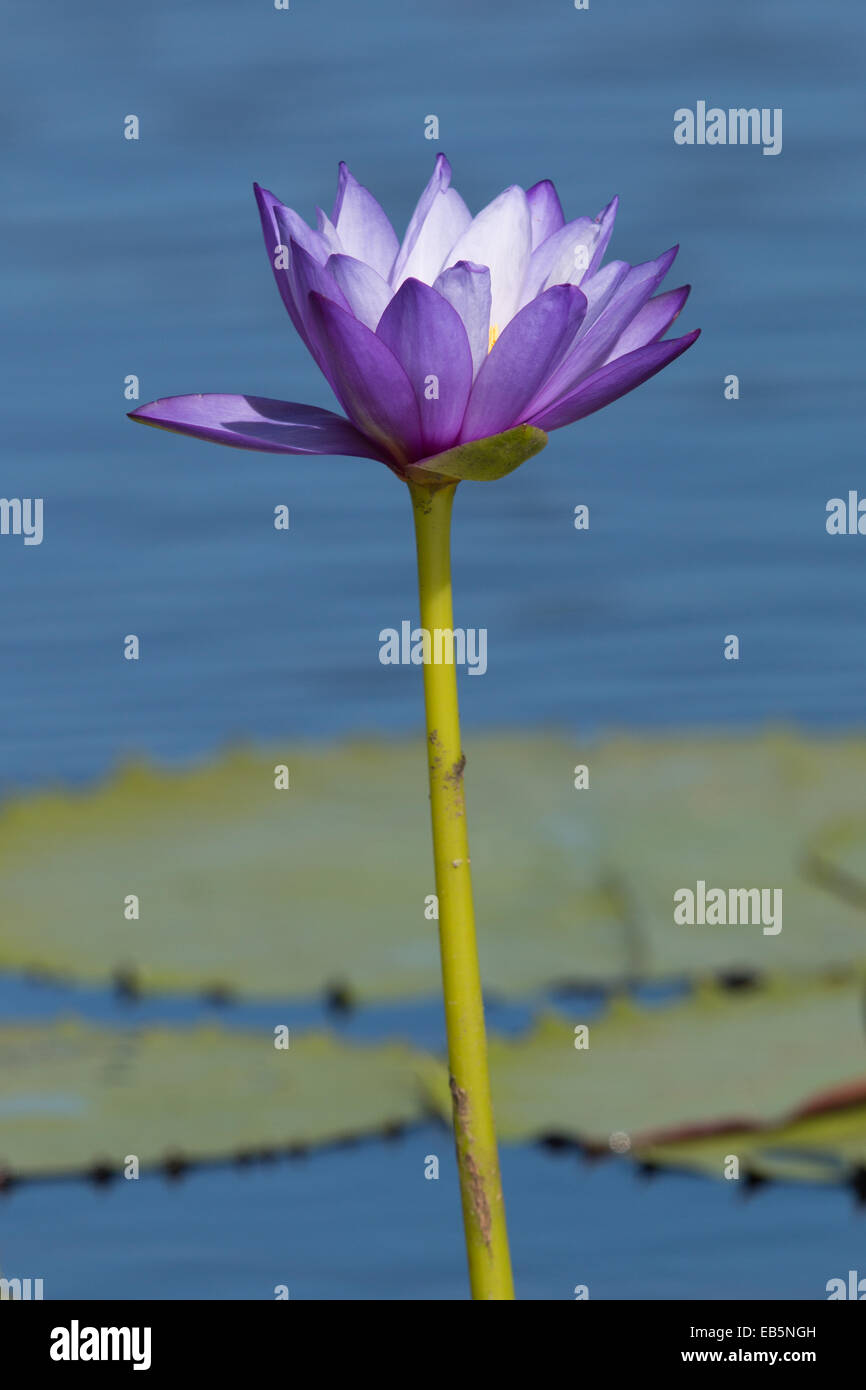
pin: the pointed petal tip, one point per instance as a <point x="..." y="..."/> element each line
<point x="665" y="261"/>
<point x="682" y="292"/>
<point x="682" y="343"/>
<point x="265" y="199"/>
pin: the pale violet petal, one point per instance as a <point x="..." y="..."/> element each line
<point x="445" y="223"/>
<point x="367" y="294"/>
<point x="467" y="289"/>
<point x="438" y="182"/>
<point x="500" y="238"/>
<point x="362" y="226"/>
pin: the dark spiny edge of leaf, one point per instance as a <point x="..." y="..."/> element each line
<point x="339" y="998"/>
<point x="126" y="985"/>
<point x="752" y="1181"/>
<point x="245" y="1157"/>
<point x="219" y="995"/>
<point x="646" y="1168"/>
<point x="738" y="981"/>
<point x="857" y="1183"/>
<point x="557" y="1142"/>
<point x="174" y="1164"/>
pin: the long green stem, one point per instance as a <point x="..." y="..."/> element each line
<point x="474" y="1132"/>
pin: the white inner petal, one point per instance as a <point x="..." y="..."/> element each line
<point x="500" y="238"/>
<point x="445" y="223"/>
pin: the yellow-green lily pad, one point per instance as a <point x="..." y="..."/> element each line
<point x="731" y="812"/>
<point x="73" y="1097"/>
<point x="827" y="1147"/>
<point x="283" y="892"/>
<point x="268" y="892"/>
<point x="718" y="1059"/>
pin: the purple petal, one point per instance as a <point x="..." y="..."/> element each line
<point x="524" y="355"/>
<point x="443" y="226"/>
<point x="427" y="337"/>
<point x="254" y="422"/>
<point x="650" y="322"/>
<point x="277" y="250"/>
<point x="306" y="276"/>
<point x="328" y="232"/>
<point x="439" y="181"/>
<point x="562" y="259"/>
<point x="362" y="226"/>
<point x="611" y="382"/>
<point x="499" y="237"/>
<point x="592" y="348"/>
<point x="368" y="381"/>
<point x="365" y="292"/>
<point x="291" y="227"/>
<point x="467" y="289"/>
<point x="545" y="211"/>
<point x="605" y="220"/>
<point x="600" y="289"/>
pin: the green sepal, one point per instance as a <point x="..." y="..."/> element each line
<point x="481" y="460"/>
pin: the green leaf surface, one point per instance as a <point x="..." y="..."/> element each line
<point x="733" y="812"/>
<point x="828" y="1147"/>
<point x="282" y="893"/>
<point x="718" y="1059"/>
<point x="73" y="1096"/>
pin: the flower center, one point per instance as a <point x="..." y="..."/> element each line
<point x="492" y="336"/>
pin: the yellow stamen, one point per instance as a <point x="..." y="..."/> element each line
<point x="492" y="336"/>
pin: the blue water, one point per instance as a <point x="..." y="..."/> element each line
<point x="364" y="1223"/>
<point x="707" y="516"/>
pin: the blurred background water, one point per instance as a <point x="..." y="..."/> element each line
<point x="707" y="515"/>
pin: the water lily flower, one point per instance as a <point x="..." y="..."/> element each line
<point x="501" y="326"/>
<point x="452" y="354"/>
